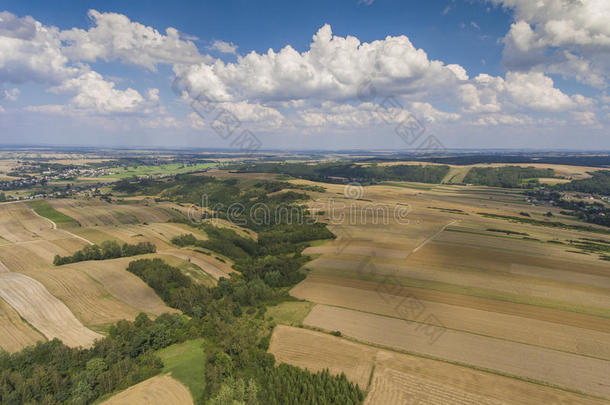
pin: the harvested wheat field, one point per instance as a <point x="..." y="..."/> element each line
<point x="405" y="379"/>
<point x="99" y="213"/>
<point x="562" y="369"/>
<point x="87" y="298"/>
<point x="360" y="249"/>
<point x="43" y="311"/>
<point x="15" y="334"/>
<point x="22" y="257"/>
<point x="18" y="223"/>
<point x="127" y="287"/>
<point x="353" y="359"/>
<point x="479" y="252"/>
<point x="395" y="302"/>
<point x="587" y="299"/>
<point x="160" y="234"/>
<point x="161" y="389"/>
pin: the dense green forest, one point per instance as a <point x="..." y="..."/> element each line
<point x="593" y="160"/>
<point x="109" y="249"/>
<point x="506" y="176"/>
<point x="230" y="317"/>
<point x="598" y="183"/>
<point x="345" y="172"/>
<point x="52" y="373"/>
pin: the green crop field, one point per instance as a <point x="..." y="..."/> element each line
<point x="186" y="362"/>
<point x="43" y="208"/>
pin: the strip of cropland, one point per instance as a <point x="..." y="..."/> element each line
<point x="397" y="378"/>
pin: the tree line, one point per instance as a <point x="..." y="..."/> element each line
<point x="52" y="373"/>
<point x="109" y="249"/>
<point x="340" y="172"/>
<point x="507" y="176"/>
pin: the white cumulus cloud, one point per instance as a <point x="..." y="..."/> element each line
<point x="114" y="37"/>
<point x="224" y="47"/>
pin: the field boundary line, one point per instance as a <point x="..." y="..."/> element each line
<point x="481" y="293"/>
<point x="463" y="331"/>
<point x="457" y="363"/>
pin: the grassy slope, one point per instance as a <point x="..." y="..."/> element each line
<point x="43" y="208"/>
<point x="186" y="361"/>
<point x="290" y="313"/>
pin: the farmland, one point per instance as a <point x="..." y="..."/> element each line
<point x="431" y="292"/>
<point x="404" y="378"/>
<point x="552" y="367"/>
<point x="162" y="389"/>
<point x="16" y="334"/>
<point x="450" y="271"/>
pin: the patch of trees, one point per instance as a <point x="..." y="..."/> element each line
<point x="598" y="183"/>
<point x="230" y="317"/>
<point x="291" y="385"/>
<point x="507" y="176"/>
<point x="346" y="172"/>
<point x="594" y="213"/>
<point x="175" y="289"/>
<point x="109" y="249"/>
<point x="596" y="160"/>
<point x="52" y="373"/>
<point x="506" y="231"/>
<point x="275" y="257"/>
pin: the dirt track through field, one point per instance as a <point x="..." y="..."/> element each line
<point x="161" y="390"/>
<point x="43" y="311"/>
<point x="421" y="245"/>
<point x="558" y="368"/>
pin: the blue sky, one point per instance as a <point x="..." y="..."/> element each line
<point x="475" y="74"/>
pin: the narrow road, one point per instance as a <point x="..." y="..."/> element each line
<point x="54" y="226"/>
<point x="421" y="245"/>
